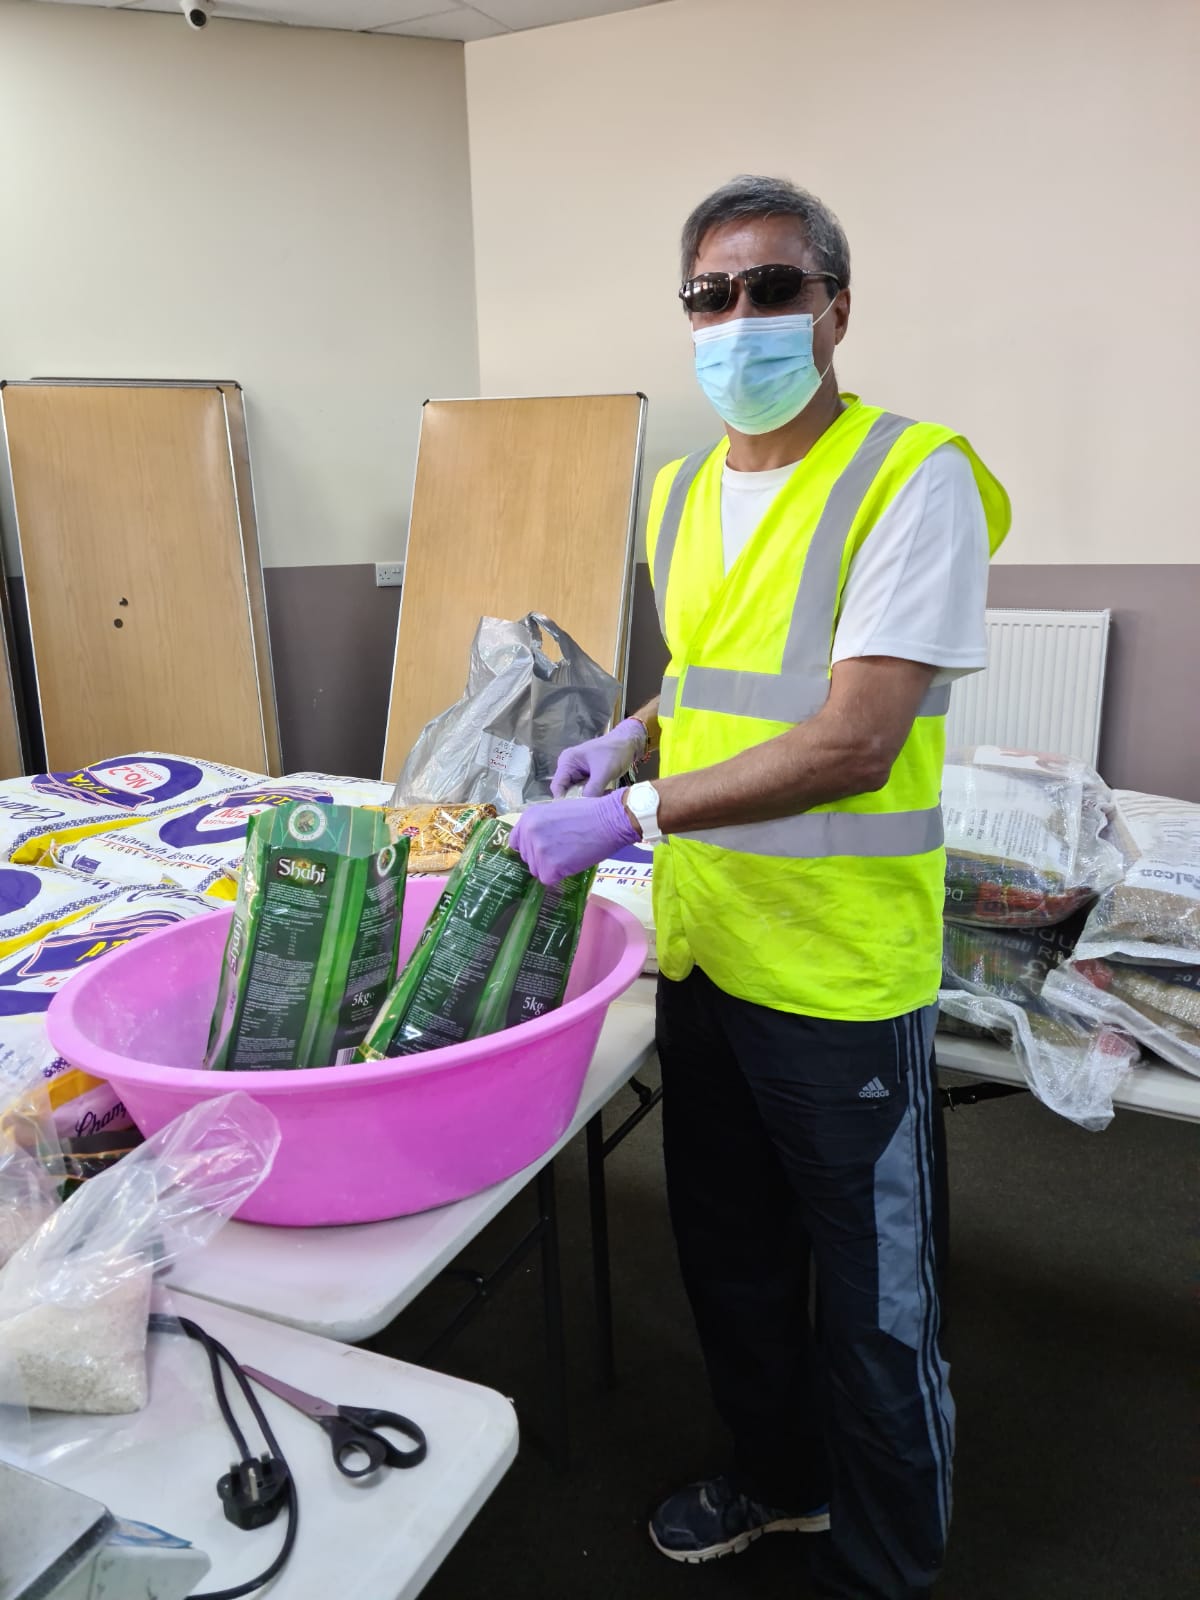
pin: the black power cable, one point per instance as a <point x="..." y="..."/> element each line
<point x="254" y="1491"/>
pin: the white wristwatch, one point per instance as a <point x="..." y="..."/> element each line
<point x="641" y="801"/>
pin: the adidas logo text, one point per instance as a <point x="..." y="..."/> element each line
<point x="875" y="1090"/>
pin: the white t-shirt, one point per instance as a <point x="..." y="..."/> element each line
<point x="918" y="587"/>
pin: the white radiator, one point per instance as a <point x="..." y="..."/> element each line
<point x="1043" y="687"/>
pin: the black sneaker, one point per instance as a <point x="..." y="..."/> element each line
<point x="708" y="1520"/>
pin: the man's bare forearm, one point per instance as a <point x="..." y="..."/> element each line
<point x="811" y="765"/>
<point x="847" y="748"/>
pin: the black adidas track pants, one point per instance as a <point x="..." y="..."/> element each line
<point x="791" y="1141"/>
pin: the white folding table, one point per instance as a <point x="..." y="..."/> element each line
<point x="1152" y="1087"/>
<point x="350" y="1282"/>
<point x="383" y="1538"/>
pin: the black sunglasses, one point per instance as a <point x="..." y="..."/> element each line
<point x="775" y="284"/>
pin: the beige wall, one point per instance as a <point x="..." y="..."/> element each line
<point x="282" y="206"/>
<point x="1018" y="182"/>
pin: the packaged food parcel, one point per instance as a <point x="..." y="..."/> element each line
<point x="31" y="976"/>
<point x="1009" y="963"/>
<point x="1026" y="837"/>
<point x="312" y="949"/>
<point x="1137" y="963"/>
<point x="1152" y="914"/>
<point x="436" y="834"/>
<point x="53" y="808"/>
<point x="1158" y="1006"/>
<point x="998" y="980"/>
<point x="496" y="951"/>
<point x="627" y="880"/>
<point x="35" y="900"/>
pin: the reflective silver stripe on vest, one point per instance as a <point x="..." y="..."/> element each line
<point x="832" y="833"/>
<point x="807" y="650"/>
<point x="936" y="702"/>
<point x="668" y="528"/>
<point x="802" y="686"/>
<point x="773" y="696"/>
<point x="666" y="696"/>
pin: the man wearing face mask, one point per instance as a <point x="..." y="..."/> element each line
<point x="820" y="578"/>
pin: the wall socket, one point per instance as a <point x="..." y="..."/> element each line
<point x="389" y="574"/>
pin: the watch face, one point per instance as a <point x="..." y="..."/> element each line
<point x="643" y="800"/>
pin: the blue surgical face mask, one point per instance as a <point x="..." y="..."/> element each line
<point x="758" y="372"/>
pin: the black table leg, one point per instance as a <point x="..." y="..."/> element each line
<point x="557" y="1426"/>
<point x="601" y="1266"/>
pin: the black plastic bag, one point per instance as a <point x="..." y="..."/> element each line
<point x="499" y="744"/>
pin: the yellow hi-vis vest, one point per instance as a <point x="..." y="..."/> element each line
<point x="837" y="911"/>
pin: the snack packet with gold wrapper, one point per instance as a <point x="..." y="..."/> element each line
<point x="437" y="834"/>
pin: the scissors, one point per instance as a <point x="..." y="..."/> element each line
<point x="351" y="1429"/>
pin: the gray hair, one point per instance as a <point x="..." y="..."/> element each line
<point x="748" y="196"/>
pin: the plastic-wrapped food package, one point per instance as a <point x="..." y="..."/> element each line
<point x="1158" y="1006"/>
<point x="1137" y="963"/>
<point x="998" y="980"/>
<point x="437" y="835"/>
<point x="313" y="944"/>
<point x="1026" y="837"/>
<point x="496" y="951"/>
<point x="523" y="705"/>
<point x="1153" y="913"/>
<point x="75" y="1298"/>
<point x="53" y="808"/>
<point x="627" y="880"/>
<point x="32" y="975"/>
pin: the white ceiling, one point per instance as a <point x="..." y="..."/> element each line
<point x="427" y="19"/>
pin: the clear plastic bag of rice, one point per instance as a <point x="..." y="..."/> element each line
<point x="75" y="1298"/>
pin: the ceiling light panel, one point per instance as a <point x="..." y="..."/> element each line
<point x="460" y="22"/>
<point x="541" y="13"/>
<point x="353" y="15"/>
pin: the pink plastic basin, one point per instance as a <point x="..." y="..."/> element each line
<point x="359" y="1143"/>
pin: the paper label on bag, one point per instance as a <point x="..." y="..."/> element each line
<point x="506" y="756"/>
<point x="1159" y="825"/>
<point x="989" y="814"/>
<point x="1167" y="877"/>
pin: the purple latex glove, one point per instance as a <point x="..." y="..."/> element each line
<point x="556" y="841"/>
<point x="600" y="761"/>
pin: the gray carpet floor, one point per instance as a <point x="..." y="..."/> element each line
<point x="1074" y="1365"/>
